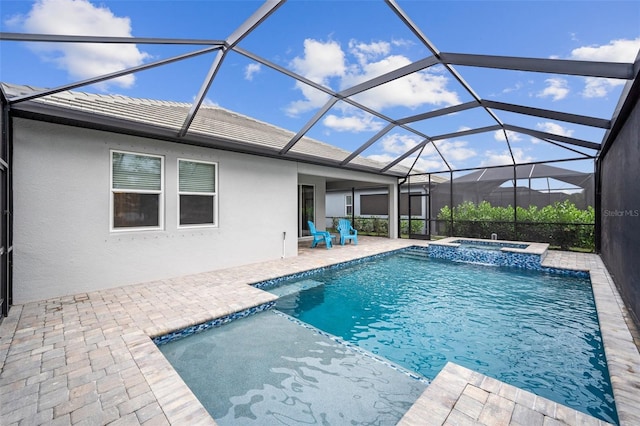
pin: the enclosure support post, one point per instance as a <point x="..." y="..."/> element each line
<point x="451" y="201"/>
<point x="597" y="229"/>
<point x="353" y="206"/>
<point x="515" y="200"/>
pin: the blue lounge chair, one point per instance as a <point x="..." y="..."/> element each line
<point x="319" y="236"/>
<point x="347" y="232"/>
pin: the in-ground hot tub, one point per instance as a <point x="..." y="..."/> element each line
<point x="491" y="252"/>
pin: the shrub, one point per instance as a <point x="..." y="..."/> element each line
<point x="561" y="224"/>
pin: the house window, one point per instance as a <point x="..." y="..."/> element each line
<point x="197" y="196"/>
<point x="348" y="205"/>
<point x="137" y="190"/>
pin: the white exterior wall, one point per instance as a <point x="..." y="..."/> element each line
<point x="336" y="202"/>
<point x="62" y="239"/>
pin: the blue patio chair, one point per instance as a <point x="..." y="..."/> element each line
<point x="347" y="232"/>
<point x="320" y="236"/>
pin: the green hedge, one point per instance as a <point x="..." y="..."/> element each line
<point x="367" y="225"/>
<point x="560" y="224"/>
<point x="380" y="227"/>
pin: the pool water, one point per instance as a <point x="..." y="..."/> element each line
<point x="533" y="330"/>
<point x="268" y="369"/>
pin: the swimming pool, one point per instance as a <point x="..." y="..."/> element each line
<point x="216" y="377"/>
<point x="537" y="331"/>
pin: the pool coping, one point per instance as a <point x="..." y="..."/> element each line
<point x="540" y="249"/>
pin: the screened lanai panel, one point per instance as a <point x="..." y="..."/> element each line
<point x="530" y="149"/>
<point x="576" y="134"/>
<point x="475" y="150"/>
<point x="556" y="204"/>
<point x="253" y="89"/>
<point x="588" y="96"/>
<point x="430" y="159"/>
<point x="439" y="127"/>
<point x="347" y="126"/>
<point x="421" y="91"/>
<point x="148" y="65"/>
<point x="440" y="203"/>
<point x="173" y="89"/>
<point x="505" y="29"/>
<point x="393" y="144"/>
<point x="483" y="203"/>
<point x="329" y="30"/>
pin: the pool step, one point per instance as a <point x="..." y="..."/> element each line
<point x="415" y="254"/>
<point x="296" y="287"/>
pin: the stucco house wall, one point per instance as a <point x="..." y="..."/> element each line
<point x="63" y="243"/>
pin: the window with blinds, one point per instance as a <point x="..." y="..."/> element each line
<point x="348" y="205"/>
<point x="197" y="193"/>
<point x="136" y="190"/>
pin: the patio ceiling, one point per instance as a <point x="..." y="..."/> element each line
<point x="499" y="115"/>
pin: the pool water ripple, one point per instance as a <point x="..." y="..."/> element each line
<point x="531" y="329"/>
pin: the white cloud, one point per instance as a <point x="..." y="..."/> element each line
<point x="554" y="128"/>
<point x="82" y="60"/>
<point x="455" y="150"/>
<point x="621" y="50"/>
<point x="312" y="99"/>
<point x="396" y="143"/>
<point x="251" y="69"/>
<point x="352" y="123"/>
<point x="516" y="87"/>
<point x="616" y="51"/>
<point x="412" y="91"/>
<point x="599" y="87"/>
<point x="513" y="136"/>
<point x="327" y="62"/>
<point x="321" y="62"/>
<point x="366" y="52"/>
<point x="556" y="88"/>
<point x="422" y="165"/>
<point x="501" y="158"/>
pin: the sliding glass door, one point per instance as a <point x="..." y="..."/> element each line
<point x="306" y="208"/>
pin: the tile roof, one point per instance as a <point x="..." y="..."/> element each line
<point x="211" y="123"/>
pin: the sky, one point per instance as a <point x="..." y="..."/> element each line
<point x="339" y="44"/>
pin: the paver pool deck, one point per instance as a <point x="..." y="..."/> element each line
<point x="89" y="359"/>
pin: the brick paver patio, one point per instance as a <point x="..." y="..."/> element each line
<point x="89" y="359"/>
